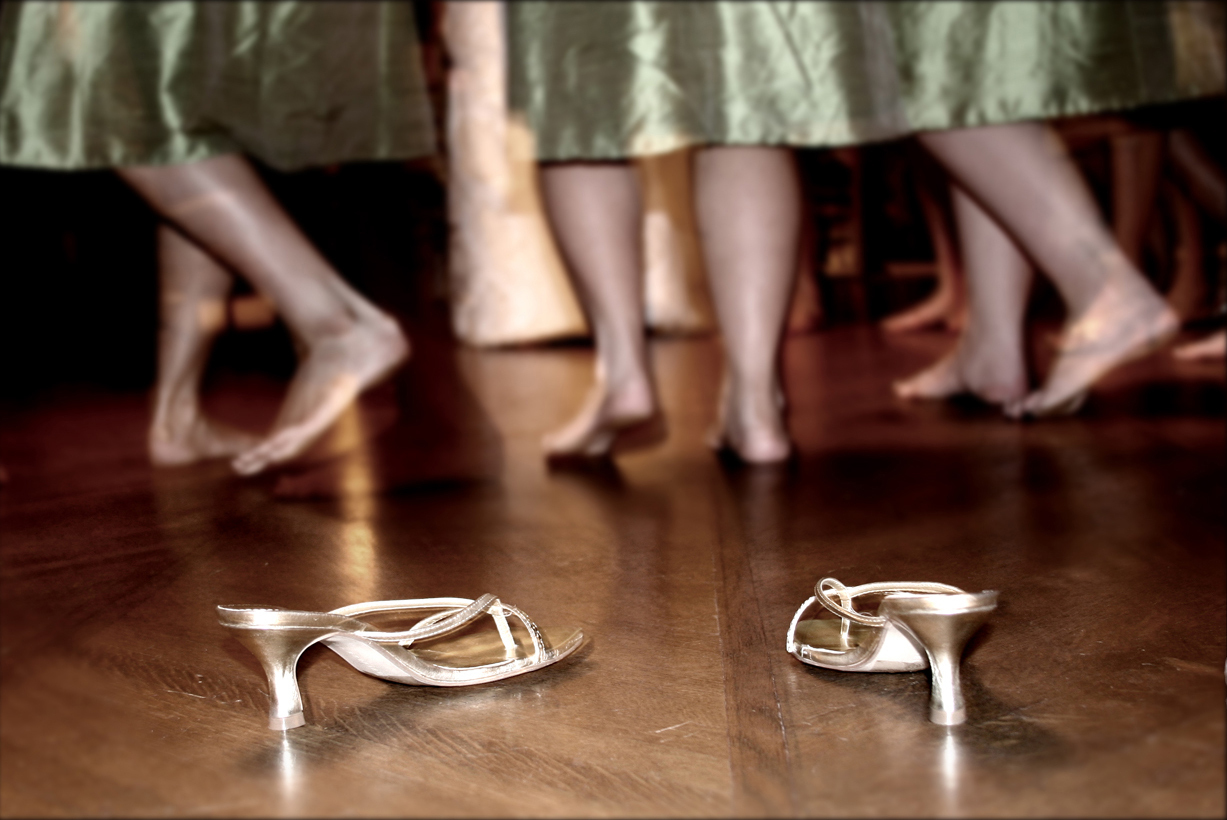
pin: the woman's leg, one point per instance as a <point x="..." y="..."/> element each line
<point x="947" y="305"/>
<point x="1187" y="292"/>
<point x="194" y="290"/>
<point x="1201" y="178"/>
<point x="347" y="343"/>
<point x="749" y="211"/>
<point x="989" y="359"/>
<point x="1198" y="173"/>
<point x="805" y="307"/>
<point x="1137" y="164"/>
<point x="596" y="213"/>
<point x="1022" y="175"/>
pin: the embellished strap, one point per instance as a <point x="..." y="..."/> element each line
<point x="441" y="623"/>
<point x="456" y="613"/>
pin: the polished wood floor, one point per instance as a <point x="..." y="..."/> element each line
<point x="1097" y="689"/>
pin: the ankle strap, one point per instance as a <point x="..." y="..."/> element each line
<point x="826" y="590"/>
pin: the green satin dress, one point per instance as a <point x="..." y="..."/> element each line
<point x="607" y="80"/>
<point x="104" y="84"/>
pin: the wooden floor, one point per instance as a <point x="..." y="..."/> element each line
<point x="1098" y="688"/>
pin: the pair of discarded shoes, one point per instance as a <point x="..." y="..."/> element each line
<point x="917" y="625"/>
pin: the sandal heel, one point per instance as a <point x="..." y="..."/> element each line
<point x="942" y="625"/>
<point x="278" y="652"/>
<point x="278" y="649"/>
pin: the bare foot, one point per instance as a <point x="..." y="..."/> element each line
<point x="612" y="418"/>
<point x="335" y="370"/>
<point x="751" y="427"/>
<point x="1213" y="346"/>
<point x="989" y="373"/>
<point x="940" y="308"/>
<point x="1126" y="320"/>
<point x="196" y="439"/>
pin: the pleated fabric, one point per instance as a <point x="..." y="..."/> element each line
<point x="104" y="84"/>
<point x="607" y="80"/>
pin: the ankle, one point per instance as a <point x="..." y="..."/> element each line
<point x="625" y="372"/>
<point x="344" y="326"/>
<point x="634" y="396"/>
<point x="1113" y="275"/>
<point x="754" y="390"/>
<point x="1003" y="343"/>
<point x="336" y="325"/>
<point x="175" y="412"/>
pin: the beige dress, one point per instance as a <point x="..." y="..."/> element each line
<point x="508" y="282"/>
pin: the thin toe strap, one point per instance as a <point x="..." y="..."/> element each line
<point x="458" y="613"/>
<point x="449" y="621"/>
<point x="541" y="646"/>
<point x="455" y="614"/>
<point x="498" y="611"/>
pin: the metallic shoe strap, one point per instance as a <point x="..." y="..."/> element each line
<point x="827" y="588"/>
<point x="441" y="623"/>
<point x="445" y="622"/>
<point x="449" y="620"/>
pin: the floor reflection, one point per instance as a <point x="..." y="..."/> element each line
<point x="951" y="769"/>
<point x="289" y="771"/>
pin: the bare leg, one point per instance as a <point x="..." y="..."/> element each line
<point x="948" y="303"/>
<point x="1199" y="175"/>
<point x="1022" y="175"/>
<point x="194" y="288"/>
<point x="596" y="212"/>
<point x="1188" y="289"/>
<point x="1202" y="179"/>
<point x="988" y="361"/>
<point x="749" y="211"/>
<point x="805" y="309"/>
<point x="1137" y="160"/>
<point x="347" y="343"/>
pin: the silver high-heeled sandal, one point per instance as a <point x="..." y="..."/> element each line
<point x="918" y="625"/>
<point x="278" y="637"/>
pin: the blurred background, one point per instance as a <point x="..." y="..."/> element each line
<point x="78" y="300"/>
